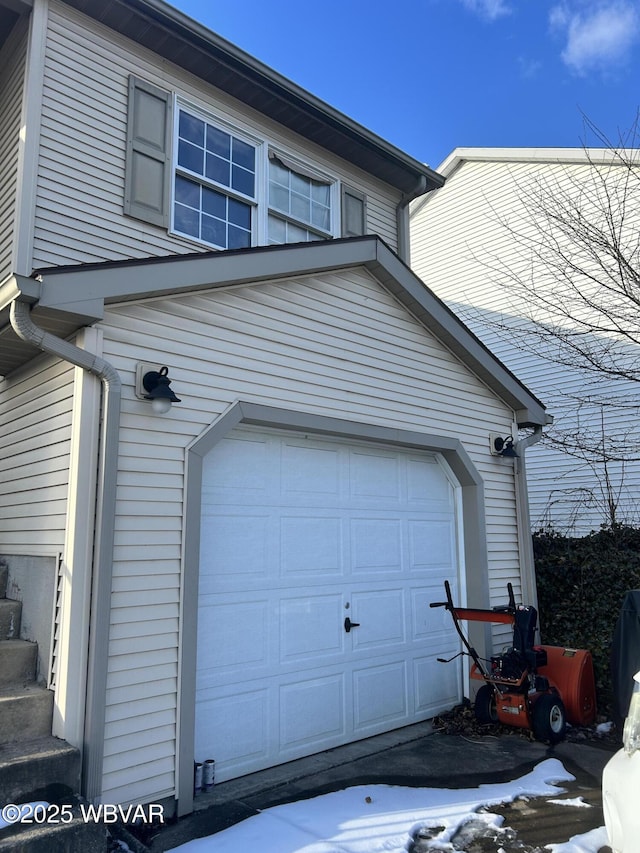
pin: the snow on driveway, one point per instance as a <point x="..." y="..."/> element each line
<point x="391" y="819"/>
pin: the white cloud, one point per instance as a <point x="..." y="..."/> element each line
<point x="490" y="9"/>
<point x="529" y="68"/>
<point x="598" y="36"/>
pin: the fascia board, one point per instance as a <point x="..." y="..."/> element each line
<point x="147" y="279"/>
<point x="68" y="289"/>
<point x="292" y="90"/>
<point x="569" y="156"/>
<point x="21" y="288"/>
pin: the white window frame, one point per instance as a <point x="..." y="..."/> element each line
<point x="301" y="167"/>
<point x="202" y="180"/>
<point x="260" y="202"/>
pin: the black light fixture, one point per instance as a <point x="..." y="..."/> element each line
<point x="504" y="447"/>
<point x="156" y="384"/>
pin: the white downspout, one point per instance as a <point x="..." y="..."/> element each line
<point x="402" y="218"/>
<point x="527" y="571"/>
<point x="25" y="328"/>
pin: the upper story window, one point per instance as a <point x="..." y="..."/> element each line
<point x="215" y="184"/>
<point x="299" y="203"/>
<point x="205" y="180"/>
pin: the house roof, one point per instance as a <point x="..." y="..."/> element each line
<point x="64" y="299"/>
<point x="159" y="27"/>
<point x="172" y="35"/>
<point x="538" y="156"/>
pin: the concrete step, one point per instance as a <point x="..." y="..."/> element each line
<point x="10" y="615"/>
<point x="76" y="836"/>
<point x="46" y="770"/>
<point x="4" y="576"/>
<point x="42" y="769"/>
<point x="25" y="713"/>
<point x="18" y="662"/>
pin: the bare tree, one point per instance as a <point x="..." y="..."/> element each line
<point x="571" y="285"/>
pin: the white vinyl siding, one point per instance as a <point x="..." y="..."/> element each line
<point x="35" y="419"/>
<point x="335" y="345"/>
<point x="79" y="213"/>
<point x="12" y="69"/>
<point x="459" y="243"/>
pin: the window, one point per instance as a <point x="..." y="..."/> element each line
<point x="215" y="184"/>
<point x="299" y="204"/>
<point x="222" y="186"/>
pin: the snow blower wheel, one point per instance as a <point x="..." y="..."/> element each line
<point x="485" y="705"/>
<point x="548" y="719"/>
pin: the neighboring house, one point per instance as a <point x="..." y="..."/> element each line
<point x="247" y="576"/>
<point x="469" y="240"/>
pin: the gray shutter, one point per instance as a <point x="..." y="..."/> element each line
<point x="354" y="213"/>
<point x="146" y="194"/>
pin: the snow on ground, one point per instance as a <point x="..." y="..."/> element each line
<point x="11" y="814"/>
<point x="386" y="819"/>
<point x="578" y="802"/>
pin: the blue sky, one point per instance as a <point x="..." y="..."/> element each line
<point x="433" y="75"/>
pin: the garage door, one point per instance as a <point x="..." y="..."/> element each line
<point x="318" y="562"/>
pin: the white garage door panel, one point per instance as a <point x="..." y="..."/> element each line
<point x="298" y="534"/>
<point x="375" y="476"/>
<point x="431" y="544"/>
<point x="303" y="634"/>
<point x="376" y="545"/>
<point x="234" y="545"/>
<point x="225" y="718"/>
<point x="238" y="631"/>
<point x="381" y="615"/>
<point x="436" y="686"/>
<point x="310" y="471"/>
<point x="310" y="545"/>
<point x="299" y="728"/>
<point x="380" y="697"/>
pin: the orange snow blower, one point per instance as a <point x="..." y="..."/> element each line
<point x="533" y="687"/>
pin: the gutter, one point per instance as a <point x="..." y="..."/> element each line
<point x="528" y="569"/>
<point x="25" y="328"/>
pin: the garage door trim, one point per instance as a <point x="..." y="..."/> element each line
<point x="474" y="557"/>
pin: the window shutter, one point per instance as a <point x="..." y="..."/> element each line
<point x="147" y="178"/>
<point x="354" y="213"/>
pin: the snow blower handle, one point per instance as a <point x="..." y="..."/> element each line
<point x="448" y="603"/>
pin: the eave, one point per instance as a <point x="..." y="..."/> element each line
<point x="177" y="38"/>
<point x="65" y="299"/>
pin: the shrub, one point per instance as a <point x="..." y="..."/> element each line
<point x="581" y="585"/>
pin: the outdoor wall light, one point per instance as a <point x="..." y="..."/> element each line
<point x="503" y="447"/>
<point x="154" y="384"/>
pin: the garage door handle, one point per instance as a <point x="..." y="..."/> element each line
<point x="348" y="624"/>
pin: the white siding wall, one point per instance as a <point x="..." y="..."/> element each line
<point x="35" y="422"/>
<point x="79" y="214"/>
<point x="458" y="246"/>
<point x="335" y="345"/>
<point x="12" y="67"/>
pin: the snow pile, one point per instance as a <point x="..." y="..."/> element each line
<point x="390" y="819"/>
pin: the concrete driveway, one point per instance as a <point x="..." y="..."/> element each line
<point x="417" y="757"/>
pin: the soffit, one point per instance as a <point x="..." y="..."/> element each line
<point x="10" y="11"/>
